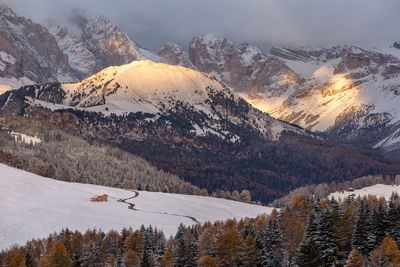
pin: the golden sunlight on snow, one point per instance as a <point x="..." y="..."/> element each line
<point x="4" y="88"/>
<point x="316" y="111"/>
<point x="268" y="105"/>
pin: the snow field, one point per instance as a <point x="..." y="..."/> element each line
<point x="32" y="206"/>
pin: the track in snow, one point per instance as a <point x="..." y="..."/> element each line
<point x="132" y="207"/>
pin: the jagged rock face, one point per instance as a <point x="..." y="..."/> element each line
<point x="349" y="93"/>
<point x="242" y="66"/>
<point x="29" y="52"/>
<point x="82" y="61"/>
<point x="188" y="123"/>
<point x="173" y="54"/>
<point x="108" y="43"/>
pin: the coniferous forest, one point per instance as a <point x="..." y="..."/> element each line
<point x="349" y="232"/>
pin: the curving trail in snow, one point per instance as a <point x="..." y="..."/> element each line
<point x="33" y="207"/>
<point x="132" y="207"/>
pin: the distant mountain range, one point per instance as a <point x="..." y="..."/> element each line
<point x="190" y="124"/>
<point x="199" y="115"/>
<point x="348" y="93"/>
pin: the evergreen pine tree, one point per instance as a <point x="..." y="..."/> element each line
<point x="272" y="251"/>
<point x="312" y="229"/>
<point x="378" y="226"/>
<point x="341" y="224"/>
<point x="190" y="251"/>
<point x="180" y="234"/>
<point x="309" y="254"/>
<point x="326" y="238"/>
<point x="361" y="231"/>
<point x="149" y="239"/>
<point x="28" y="260"/>
<point x="146" y="260"/>
<point x="393" y="219"/>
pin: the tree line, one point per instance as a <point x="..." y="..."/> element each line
<point x="64" y="156"/>
<point x="352" y="232"/>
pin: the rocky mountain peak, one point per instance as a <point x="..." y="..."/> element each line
<point x="59" y="31"/>
<point x="108" y="43"/>
<point x="28" y="52"/>
<point x="82" y="61"/>
<point x="173" y="54"/>
<point x="7" y="12"/>
<point x="242" y="66"/>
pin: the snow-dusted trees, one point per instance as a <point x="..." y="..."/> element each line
<point x="272" y="252"/>
<point x="362" y="229"/>
<point x="309" y="254"/>
<point x="63" y="156"/>
<point x="263" y="241"/>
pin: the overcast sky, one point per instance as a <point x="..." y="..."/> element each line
<point x="262" y="22"/>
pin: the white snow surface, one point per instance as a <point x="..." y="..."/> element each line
<point x="27" y="139"/>
<point x="150" y="55"/>
<point x="80" y="58"/>
<point x="379" y="190"/>
<point x="144" y="86"/>
<point x="33" y="207"/>
<point x="9" y="83"/>
<point x="149" y="87"/>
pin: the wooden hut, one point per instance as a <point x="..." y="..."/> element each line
<point x="102" y="198"/>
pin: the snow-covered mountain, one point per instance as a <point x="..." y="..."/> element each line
<point x="189" y="123"/>
<point x="29" y="53"/>
<point x="349" y="93"/>
<point x="159" y="88"/>
<point x="242" y="66"/>
<point x="28" y="198"/>
<point x="101" y="44"/>
<point x="82" y="61"/>
<point x="108" y="43"/>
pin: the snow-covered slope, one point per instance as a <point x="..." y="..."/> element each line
<point x="82" y="61"/>
<point x="34" y="206"/>
<point x="161" y="89"/>
<point x="378" y="190"/>
<point x="352" y="94"/>
<point x="140" y="86"/>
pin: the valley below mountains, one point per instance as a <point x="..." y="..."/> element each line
<point x="223" y="116"/>
<point x="190" y="124"/>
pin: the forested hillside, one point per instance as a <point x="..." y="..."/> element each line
<point x="65" y="157"/>
<point x="354" y="232"/>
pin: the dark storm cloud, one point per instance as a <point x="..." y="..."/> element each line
<point x="154" y="22"/>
